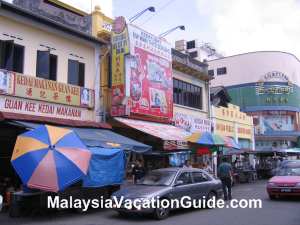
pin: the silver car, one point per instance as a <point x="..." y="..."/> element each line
<point x="169" y="183"/>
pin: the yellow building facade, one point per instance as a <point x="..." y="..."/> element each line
<point x="101" y="28"/>
<point x="230" y="121"/>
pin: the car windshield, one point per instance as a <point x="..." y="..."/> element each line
<point x="289" y="172"/>
<point x="158" y="178"/>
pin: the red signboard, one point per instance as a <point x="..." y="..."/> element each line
<point x="149" y="75"/>
<point x="151" y="86"/>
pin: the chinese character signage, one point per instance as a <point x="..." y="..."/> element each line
<point x="45" y="90"/>
<point x="230" y="121"/>
<point x="149" y="71"/>
<point x="274" y="88"/>
<point x="120" y="48"/>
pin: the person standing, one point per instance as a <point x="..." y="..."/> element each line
<point x="225" y="175"/>
<point x="138" y="171"/>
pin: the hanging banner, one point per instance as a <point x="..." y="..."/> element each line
<point x="149" y="71"/>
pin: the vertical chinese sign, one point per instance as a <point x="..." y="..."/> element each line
<point x="120" y="47"/>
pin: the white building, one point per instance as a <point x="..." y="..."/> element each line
<point x="265" y="85"/>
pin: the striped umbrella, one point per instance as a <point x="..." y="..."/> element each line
<point x="206" y="138"/>
<point x="50" y="158"/>
<point x="230" y="143"/>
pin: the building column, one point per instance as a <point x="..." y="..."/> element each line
<point x="253" y="139"/>
<point x="97" y="85"/>
<point x="236" y="134"/>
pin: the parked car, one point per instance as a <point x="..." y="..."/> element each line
<point x="169" y="183"/>
<point x="286" y="182"/>
<point x="285" y="163"/>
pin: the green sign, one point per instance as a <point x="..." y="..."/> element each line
<point x="263" y="94"/>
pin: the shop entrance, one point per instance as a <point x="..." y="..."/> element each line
<point x="9" y="180"/>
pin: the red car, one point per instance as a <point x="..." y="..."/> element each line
<point x="285" y="183"/>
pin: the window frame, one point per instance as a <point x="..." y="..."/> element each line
<point x="190" y="177"/>
<point x="202" y="173"/>
<point x="187" y="94"/>
<point x="78" y="80"/>
<point x="221" y="71"/>
<point x="11" y="63"/>
<point x="191" y="44"/>
<point x="211" y="72"/>
<point x="48" y="73"/>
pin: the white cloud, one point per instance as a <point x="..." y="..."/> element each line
<point x="253" y="25"/>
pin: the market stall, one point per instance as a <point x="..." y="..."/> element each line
<point x="212" y="145"/>
<point x="60" y="161"/>
<point x="243" y="170"/>
<point x="268" y="160"/>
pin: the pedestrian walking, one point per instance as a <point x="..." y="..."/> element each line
<point x="225" y="175"/>
<point x="138" y="171"/>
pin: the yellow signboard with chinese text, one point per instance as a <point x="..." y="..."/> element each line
<point x="120" y="47"/>
<point x="230" y="121"/>
<point x="31" y="87"/>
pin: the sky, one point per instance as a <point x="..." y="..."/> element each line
<point x="231" y="26"/>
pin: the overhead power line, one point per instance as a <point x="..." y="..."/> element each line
<point x="158" y="11"/>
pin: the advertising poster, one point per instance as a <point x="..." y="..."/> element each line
<point x="149" y="73"/>
<point x="178" y="159"/>
<point x="87" y="97"/>
<point x="120" y="48"/>
<point x="277" y="123"/>
<point x="6" y="82"/>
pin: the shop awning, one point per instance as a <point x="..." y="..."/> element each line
<point x="165" y="132"/>
<point x="93" y="137"/>
<point x="173" y="137"/>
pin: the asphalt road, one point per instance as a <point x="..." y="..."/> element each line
<point x="279" y="212"/>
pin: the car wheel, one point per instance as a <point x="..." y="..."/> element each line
<point x="210" y="195"/>
<point x="161" y="213"/>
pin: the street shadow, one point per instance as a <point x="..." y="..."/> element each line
<point x="134" y="217"/>
<point x="40" y="217"/>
